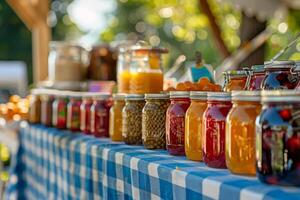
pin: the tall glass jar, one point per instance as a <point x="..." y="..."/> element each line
<point x="240" y="132"/>
<point x="235" y="80"/>
<point x="35" y="107"/>
<point x="214" y="120"/>
<point x="59" y="107"/>
<point x="73" y="111"/>
<point x="278" y="138"/>
<point x="123" y="67"/>
<point x="257" y="75"/>
<point x="132" y="119"/>
<point x="85" y="113"/>
<point x="194" y="126"/>
<point x="154" y="121"/>
<point x="47" y="98"/>
<point x="115" y="117"/>
<point x="175" y="122"/>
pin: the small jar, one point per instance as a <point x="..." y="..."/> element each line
<point x="85" y="113"/>
<point x="278" y="138"/>
<point x="154" y="121"/>
<point x="194" y="126"/>
<point x="175" y="122"/>
<point x="214" y="120"/>
<point x="35" y="107"/>
<point x="73" y="111"/>
<point x="279" y="76"/>
<point x="59" y="107"/>
<point x="47" y="99"/>
<point x="115" y="117"/>
<point x="257" y="75"/>
<point x="100" y="115"/>
<point x="132" y="119"/>
<point x="235" y="80"/>
<point x="240" y="132"/>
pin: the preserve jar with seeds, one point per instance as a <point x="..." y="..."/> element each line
<point x="85" y="113"/>
<point x="132" y="119"/>
<point x="59" y="107"/>
<point x="35" y="107"/>
<point x="115" y="117"/>
<point x="73" y="112"/>
<point x="154" y="119"/>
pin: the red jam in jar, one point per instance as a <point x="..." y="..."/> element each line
<point x="59" y="107"/>
<point x="175" y="122"/>
<point x="100" y="116"/>
<point x="278" y="138"/>
<point x="85" y="113"/>
<point x="73" y="112"/>
<point x="214" y="120"/>
<point x="47" y="99"/>
<point x="257" y="75"/>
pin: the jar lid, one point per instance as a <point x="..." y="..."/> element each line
<point x="100" y="95"/>
<point x="157" y="96"/>
<point x="144" y="47"/>
<point x="279" y="64"/>
<point x="134" y="97"/>
<point x="235" y="73"/>
<point x="198" y="95"/>
<point x="242" y="95"/>
<point x="75" y="95"/>
<point x="179" y="94"/>
<point x="119" y="96"/>
<point x="218" y="96"/>
<point x="280" y="96"/>
<point x="61" y="94"/>
<point x="258" y="68"/>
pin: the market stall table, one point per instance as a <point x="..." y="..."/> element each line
<point x="56" y="164"/>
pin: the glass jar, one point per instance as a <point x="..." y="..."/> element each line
<point x="73" y="111"/>
<point x="115" y="117"/>
<point x="132" y="119"/>
<point x="47" y="99"/>
<point x="235" y="80"/>
<point x="193" y="125"/>
<point x="35" y="107"/>
<point x="214" y="120"/>
<point x="240" y="132"/>
<point x="279" y="76"/>
<point x="85" y="113"/>
<point x="257" y="75"/>
<point x="59" y="107"/>
<point x="175" y="122"/>
<point x="100" y="116"/>
<point x="123" y="67"/>
<point x="154" y="121"/>
<point x="278" y="138"/>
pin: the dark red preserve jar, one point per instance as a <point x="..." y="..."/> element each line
<point x="85" y="115"/>
<point x="47" y="98"/>
<point x="214" y="120"/>
<point x="257" y="75"/>
<point x="73" y="111"/>
<point x="59" y="108"/>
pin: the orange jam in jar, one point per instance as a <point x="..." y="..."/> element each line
<point x="235" y="80"/>
<point x="115" y="117"/>
<point x="240" y="132"/>
<point x="193" y="125"/>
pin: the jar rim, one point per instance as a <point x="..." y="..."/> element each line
<point x="235" y="73"/>
<point x="156" y="96"/>
<point x="280" y="96"/>
<point x="179" y="94"/>
<point x="119" y="96"/>
<point x="134" y="97"/>
<point x="218" y="96"/>
<point x="243" y="95"/>
<point x="198" y="95"/>
<point x="284" y="64"/>
<point x="258" y="68"/>
<point x="100" y="95"/>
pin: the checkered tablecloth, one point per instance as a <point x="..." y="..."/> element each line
<point x="55" y="164"/>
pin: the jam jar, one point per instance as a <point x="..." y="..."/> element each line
<point x="73" y="111"/>
<point x="115" y="117"/>
<point x="214" y="121"/>
<point x="35" y="107"/>
<point x="240" y="132"/>
<point x="278" y="138"/>
<point x="47" y="98"/>
<point x="154" y="121"/>
<point x="132" y="119"/>
<point x="235" y="80"/>
<point x="193" y="125"/>
<point x="175" y="122"/>
<point x="257" y="75"/>
<point x="100" y="115"/>
<point x="59" y="107"/>
<point x="279" y="76"/>
<point x="85" y="113"/>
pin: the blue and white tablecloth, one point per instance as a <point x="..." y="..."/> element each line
<point x="55" y="164"/>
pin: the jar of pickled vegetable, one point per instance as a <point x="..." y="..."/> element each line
<point x="175" y="122"/>
<point x="214" y="120"/>
<point x="100" y="116"/>
<point x="59" y="107"/>
<point x="235" y="80"/>
<point x="35" y="107"/>
<point x="257" y="75"/>
<point x="279" y="76"/>
<point x="278" y="138"/>
<point x="115" y="117"/>
<point x="194" y="126"/>
<point x="154" y="121"/>
<point x="73" y="111"/>
<point x="85" y="113"/>
<point x="47" y="99"/>
<point x="240" y="132"/>
<point x="132" y="119"/>
<point x="123" y="67"/>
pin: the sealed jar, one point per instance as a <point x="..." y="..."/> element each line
<point x="47" y="98"/>
<point x="175" y="122"/>
<point x="154" y="121"/>
<point x="257" y="75"/>
<point x="278" y="138"/>
<point x="73" y="111"/>
<point x="279" y="76"/>
<point x="214" y="121"/>
<point x="85" y="113"/>
<point x="59" y="107"/>
<point x="34" y="113"/>
<point x="115" y="117"/>
<point x="194" y="126"/>
<point x="132" y="119"/>
<point x="240" y="132"/>
<point x="235" y="80"/>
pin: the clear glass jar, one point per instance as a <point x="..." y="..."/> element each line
<point x="194" y="126"/>
<point x="35" y="107"/>
<point x="278" y="138"/>
<point x="47" y="99"/>
<point x="59" y="107"/>
<point x="257" y="75"/>
<point x="154" y="121"/>
<point x="132" y="119"/>
<point x="235" y="80"/>
<point x="115" y="117"/>
<point x="123" y="67"/>
<point x="73" y="111"/>
<point x="214" y="120"/>
<point x="240" y="132"/>
<point x="85" y="113"/>
<point x="175" y="122"/>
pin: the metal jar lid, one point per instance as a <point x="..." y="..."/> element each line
<point x="119" y="96"/>
<point x="241" y="95"/>
<point x="280" y="96"/>
<point x="157" y="96"/>
<point x="235" y="73"/>
<point x="100" y="96"/>
<point x="135" y="97"/>
<point x="258" y="68"/>
<point x="75" y="95"/>
<point x="218" y="96"/>
<point x="285" y="64"/>
<point x="198" y="95"/>
<point x="179" y="94"/>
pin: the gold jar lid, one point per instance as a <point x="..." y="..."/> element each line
<point x="198" y="95"/>
<point x="135" y="97"/>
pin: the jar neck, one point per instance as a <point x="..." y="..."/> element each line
<point x="246" y="103"/>
<point x="157" y="100"/>
<point x="180" y="100"/>
<point x="198" y="101"/>
<point x="219" y="103"/>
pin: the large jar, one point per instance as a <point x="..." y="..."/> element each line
<point x="278" y="138"/>
<point x="257" y="75"/>
<point x="123" y="70"/>
<point x="154" y="121"/>
<point x="59" y="108"/>
<point x="175" y="122"/>
<point x="115" y="117"/>
<point x="34" y="113"/>
<point x="47" y="98"/>
<point x="279" y="76"/>
<point x="100" y="116"/>
<point x="240" y="132"/>
<point x="194" y="126"/>
<point x="132" y="119"/>
<point x="235" y="80"/>
<point x="214" y="121"/>
<point x="85" y="113"/>
<point x="73" y="111"/>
